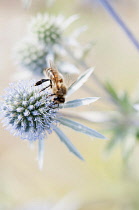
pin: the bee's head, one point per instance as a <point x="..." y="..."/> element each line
<point x="59" y="100"/>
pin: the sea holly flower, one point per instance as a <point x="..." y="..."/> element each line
<point x="122" y="123"/>
<point x="46" y="40"/>
<point x="32" y="114"/>
<point x="27" y="112"/>
<point x="35" y="57"/>
<point x="49" y="29"/>
<point x="31" y="55"/>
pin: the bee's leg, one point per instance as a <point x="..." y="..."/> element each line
<point x="42" y="81"/>
<point x="53" y="94"/>
<point x="55" y="101"/>
<point x="57" y="104"/>
<point x="50" y="85"/>
<point x="46" y="87"/>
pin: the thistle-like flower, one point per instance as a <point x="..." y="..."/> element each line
<point x="46" y="41"/>
<point x="31" y="55"/>
<point x="123" y="124"/>
<point x="27" y="112"/>
<point x="31" y="113"/>
<point x="35" y="57"/>
<point x="48" y="29"/>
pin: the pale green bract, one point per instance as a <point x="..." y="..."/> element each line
<point x="78" y="102"/>
<point x="67" y="142"/>
<point x="80" y="128"/>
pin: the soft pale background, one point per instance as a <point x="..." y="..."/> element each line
<point x="100" y="182"/>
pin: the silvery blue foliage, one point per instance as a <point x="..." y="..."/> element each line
<point x="26" y="112"/>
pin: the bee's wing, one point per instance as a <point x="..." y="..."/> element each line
<point x="69" y="79"/>
<point x="52" y="65"/>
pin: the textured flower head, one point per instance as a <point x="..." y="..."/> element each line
<point x="49" y="29"/>
<point x="35" y="57"/>
<point x="46" y="40"/>
<point x="32" y="56"/>
<point x="27" y="112"/>
<point x="31" y="113"/>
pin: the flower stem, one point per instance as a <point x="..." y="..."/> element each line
<point x="120" y="22"/>
<point x="40" y="153"/>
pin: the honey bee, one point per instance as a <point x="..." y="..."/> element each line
<point x="56" y="83"/>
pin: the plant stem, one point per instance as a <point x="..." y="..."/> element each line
<point x="120" y="22"/>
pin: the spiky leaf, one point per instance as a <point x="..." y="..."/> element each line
<point x="67" y="142"/>
<point x="78" y="102"/>
<point x="80" y="128"/>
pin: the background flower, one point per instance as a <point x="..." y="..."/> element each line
<point x="121" y="123"/>
<point x="32" y="55"/>
<point x="46" y="40"/>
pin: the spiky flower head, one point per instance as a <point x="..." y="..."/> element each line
<point x="49" y="29"/>
<point x="46" y="40"/>
<point x="27" y="112"/>
<point x="31" y="55"/>
<point x="31" y="113"/>
<point x="35" y="57"/>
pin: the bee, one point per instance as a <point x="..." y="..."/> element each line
<point x="56" y="83"/>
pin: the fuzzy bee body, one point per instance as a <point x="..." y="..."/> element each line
<point x="56" y="83"/>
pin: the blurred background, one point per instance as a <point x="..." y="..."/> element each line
<point x="66" y="183"/>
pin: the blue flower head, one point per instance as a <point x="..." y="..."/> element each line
<point x="27" y="112"/>
<point x="31" y="113"/>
